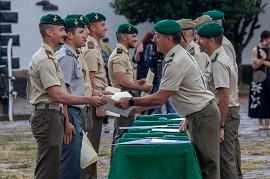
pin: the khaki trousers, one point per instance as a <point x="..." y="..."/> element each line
<point x="47" y="126"/>
<point x="229" y="148"/>
<point x="203" y="129"/>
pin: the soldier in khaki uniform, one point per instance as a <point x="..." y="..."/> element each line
<point x="121" y="74"/>
<point x="218" y="17"/>
<point x="221" y="78"/>
<point x="92" y="55"/>
<point x="183" y="84"/>
<point x="46" y="92"/>
<point x="187" y="28"/>
<point x="198" y="22"/>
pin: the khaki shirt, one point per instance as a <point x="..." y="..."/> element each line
<point x="92" y="55"/>
<point x="86" y="79"/>
<point x="44" y="72"/>
<point x="229" y="49"/>
<point x="181" y="74"/>
<point x="201" y="57"/>
<point x="120" y="61"/>
<point x="221" y="73"/>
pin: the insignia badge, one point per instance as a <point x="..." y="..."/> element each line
<point x="170" y="59"/>
<point x="81" y="18"/>
<point x="96" y="16"/>
<point x="76" y="22"/>
<point x="129" y="28"/>
<point x="55" y="18"/>
<point x="49" y="53"/>
<point x="90" y="45"/>
<point x="191" y="51"/>
<point x="215" y="58"/>
<point x="119" y="50"/>
<point x="69" y="53"/>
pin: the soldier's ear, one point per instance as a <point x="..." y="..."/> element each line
<point x="49" y="32"/>
<point x="69" y="35"/>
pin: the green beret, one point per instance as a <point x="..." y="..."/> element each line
<point x="95" y="17"/>
<point x="186" y="24"/>
<point x="74" y="22"/>
<point x="214" y="14"/>
<point x="201" y="20"/>
<point x="52" y="19"/>
<point x="78" y="16"/>
<point x="127" y="29"/>
<point x="167" y="26"/>
<point x="210" y="29"/>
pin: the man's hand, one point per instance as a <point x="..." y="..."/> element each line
<point x="69" y="130"/>
<point x="100" y="112"/>
<point x="97" y="101"/>
<point x="107" y="93"/>
<point x="183" y="126"/>
<point x="141" y="81"/>
<point x="221" y="135"/>
<point x="147" y="88"/>
<point x="122" y="103"/>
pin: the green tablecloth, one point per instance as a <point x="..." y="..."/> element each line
<point x="167" y="138"/>
<point x="155" y="162"/>
<point x="154" y="134"/>
<point x="155" y="123"/>
<point x="156" y="117"/>
<point x="146" y="130"/>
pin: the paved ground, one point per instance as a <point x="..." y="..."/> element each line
<point x="248" y="131"/>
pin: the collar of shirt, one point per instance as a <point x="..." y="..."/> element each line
<point x="47" y="47"/>
<point x="72" y="50"/>
<point x="175" y="49"/>
<point x="218" y="50"/>
<point x="124" y="48"/>
<point x="190" y="45"/>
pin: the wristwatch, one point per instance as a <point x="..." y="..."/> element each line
<point x="100" y="93"/>
<point x="131" y="101"/>
<point x="222" y="126"/>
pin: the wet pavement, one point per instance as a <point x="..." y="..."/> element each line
<point x="248" y="130"/>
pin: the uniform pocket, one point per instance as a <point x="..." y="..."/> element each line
<point x="79" y="74"/>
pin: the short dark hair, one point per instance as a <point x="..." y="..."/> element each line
<point x="219" y="39"/>
<point x="176" y="37"/>
<point x="264" y="35"/>
<point x="71" y="30"/>
<point x="43" y="27"/>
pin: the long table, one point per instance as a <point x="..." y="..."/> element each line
<point x="156" y="161"/>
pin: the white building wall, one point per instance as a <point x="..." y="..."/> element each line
<point x="30" y="14"/>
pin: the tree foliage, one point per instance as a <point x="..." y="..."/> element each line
<point x="241" y="15"/>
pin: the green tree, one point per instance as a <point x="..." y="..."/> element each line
<point x="241" y="15"/>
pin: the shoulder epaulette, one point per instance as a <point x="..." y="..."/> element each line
<point x="119" y="50"/>
<point x="170" y="59"/>
<point x="214" y="58"/>
<point x="49" y="53"/>
<point x="192" y="51"/>
<point x="69" y="53"/>
<point x="90" y="45"/>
